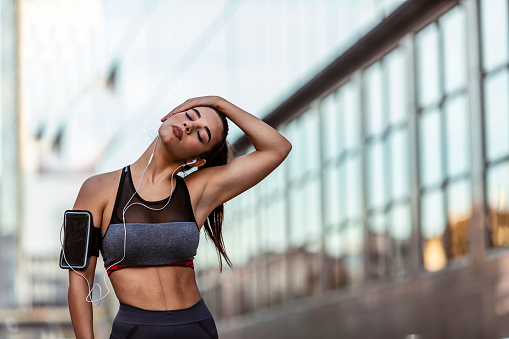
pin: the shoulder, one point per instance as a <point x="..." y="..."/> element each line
<point x="98" y="183"/>
<point x="197" y="180"/>
<point x="96" y="190"/>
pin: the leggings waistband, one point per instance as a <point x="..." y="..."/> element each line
<point x="129" y="314"/>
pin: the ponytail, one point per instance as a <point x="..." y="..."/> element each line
<point x="220" y="154"/>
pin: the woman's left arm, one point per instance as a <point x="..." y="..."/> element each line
<point x="222" y="183"/>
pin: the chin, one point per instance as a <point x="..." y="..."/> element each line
<point x="165" y="134"/>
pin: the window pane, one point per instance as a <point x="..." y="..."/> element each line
<point x="397" y="92"/>
<point x="375" y="174"/>
<point x="430" y="147"/>
<point x="432" y="218"/>
<point x="373" y="99"/>
<point x="432" y="230"/>
<point x="313" y="217"/>
<point x="400" y="164"/>
<point x="277" y="179"/>
<point x="335" y="259"/>
<point x="377" y="246"/>
<point x="297" y="216"/>
<point x="498" y="204"/>
<point x="368" y="14"/>
<point x="264" y="222"/>
<point x="277" y="281"/>
<point x="247" y="240"/>
<point x="348" y="96"/>
<point x="458" y="132"/>
<point x="354" y="236"/>
<point x="305" y="213"/>
<point x="400" y="222"/>
<point x="353" y="191"/>
<point x="427" y="66"/>
<point x="330" y="127"/>
<point x="305" y="273"/>
<point x="296" y="157"/>
<point x="333" y="208"/>
<point x="494" y="30"/>
<point x="278" y="239"/>
<point x="400" y="229"/>
<point x="262" y="297"/>
<point x="309" y="131"/>
<point x="247" y="287"/>
<point x="391" y="5"/>
<point x="497" y="115"/>
<point x="459" y="200"/>
<point x="455" y="50"/>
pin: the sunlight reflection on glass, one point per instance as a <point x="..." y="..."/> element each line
<point x="498" y="209"/>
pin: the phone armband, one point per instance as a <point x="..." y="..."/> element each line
<point x="81" y="240"/>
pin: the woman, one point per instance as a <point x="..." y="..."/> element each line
<point x="156" y="284"/>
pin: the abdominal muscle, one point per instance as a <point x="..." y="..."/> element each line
<point x="156" y="288"/>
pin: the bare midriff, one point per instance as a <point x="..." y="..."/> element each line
<point x="156" y="288"/>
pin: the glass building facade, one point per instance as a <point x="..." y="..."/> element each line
<point x="10" y="181"/>
<point x="495" y="99"/>
<point x="398" y="172"/>
<point x="252" y="52"/>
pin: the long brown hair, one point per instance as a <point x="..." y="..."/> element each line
<point x="220" y="154"/>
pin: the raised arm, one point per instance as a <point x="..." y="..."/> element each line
<point x="222" y="183"/>
<point x="81" y="310"/>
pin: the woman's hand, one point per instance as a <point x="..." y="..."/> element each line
<point x="209" y="101"/>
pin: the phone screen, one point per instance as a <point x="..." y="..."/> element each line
<point x="77" y="228"/>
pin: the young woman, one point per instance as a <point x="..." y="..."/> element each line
<point x="150" y="219"/>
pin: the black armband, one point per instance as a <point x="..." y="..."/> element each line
<point x="81" y="239"/>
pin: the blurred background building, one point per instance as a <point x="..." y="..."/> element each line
<point x="389" y="218"/>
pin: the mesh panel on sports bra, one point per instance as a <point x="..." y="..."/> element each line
<point x="179" y="208"/>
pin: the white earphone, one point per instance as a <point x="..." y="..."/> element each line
<point x="192" y="162"/>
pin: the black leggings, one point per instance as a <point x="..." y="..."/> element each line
<point x="195" y="322"/>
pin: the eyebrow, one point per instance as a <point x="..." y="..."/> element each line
<point x="206" y="128"/>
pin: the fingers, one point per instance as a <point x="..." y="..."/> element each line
<point x="193" y="102"/>
<point x="182" y="107"/>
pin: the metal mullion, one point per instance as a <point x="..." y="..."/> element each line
<point x="415" y="259"/>
<point x="358" y="81"/>
<point x="287" y="293"/>
<point x="443" y="139"/>
<point x="324" y="269"/>
<point x="477" y="228"/>
<point x="495" y="70"/>
<point x="387" y="157"/>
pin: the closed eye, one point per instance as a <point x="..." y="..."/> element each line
<point x="198" y="133"/>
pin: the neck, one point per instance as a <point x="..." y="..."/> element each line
<point x="160" y="168"/>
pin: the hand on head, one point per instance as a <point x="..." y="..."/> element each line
<point x="210" y="101"/>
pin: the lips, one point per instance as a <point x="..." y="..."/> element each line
<point x="178" y="132"/>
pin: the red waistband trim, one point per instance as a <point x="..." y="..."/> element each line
<point x="114" y="268"/>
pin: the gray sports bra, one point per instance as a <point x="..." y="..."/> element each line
<point x="154" y="238"/>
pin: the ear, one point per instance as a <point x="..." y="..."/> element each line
<point x="199" y="163"/>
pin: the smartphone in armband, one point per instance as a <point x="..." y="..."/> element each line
<point x="81" y="240"/>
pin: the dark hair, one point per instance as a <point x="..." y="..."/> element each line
<point x="219" y="154"/>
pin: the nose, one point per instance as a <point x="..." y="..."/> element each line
<point x="188" y="127"/>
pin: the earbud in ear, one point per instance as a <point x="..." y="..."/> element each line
<point x="192" y="162"/>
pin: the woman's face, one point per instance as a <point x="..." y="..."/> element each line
<point x="188" y="134"/>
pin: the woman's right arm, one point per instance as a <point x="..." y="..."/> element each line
<point x="90" y="199"/>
